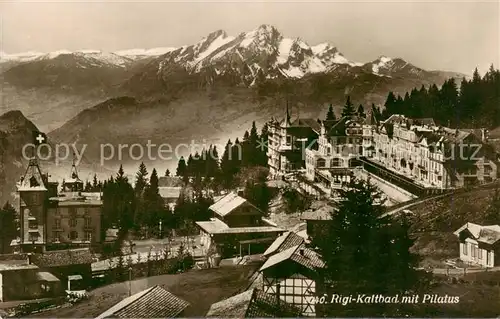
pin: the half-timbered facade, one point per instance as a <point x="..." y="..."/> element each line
<point x="292" y="276"/>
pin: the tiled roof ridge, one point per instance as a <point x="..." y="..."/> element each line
<point x="148" y="291"/>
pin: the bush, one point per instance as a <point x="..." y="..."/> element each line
<point x="25" y="309"/>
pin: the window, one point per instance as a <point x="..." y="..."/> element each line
<point x="479" y="253"/>
<point x="72" y="222"/>
<point x="464" y="249"/>
<point x="57" y="224"/>
<point x="88" y="236"/>
<point x="73" y="235"/>
<point x="88" y="221"/>
<point x="55" y="236"/>
<point x="473" y="251"/>
<point x="33" y="237"/>
<point x="32" y="224"/>
<point x="72" y="211"/>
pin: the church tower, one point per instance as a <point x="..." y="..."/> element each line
<point x="33" y="198"/>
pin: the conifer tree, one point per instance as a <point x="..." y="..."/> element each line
<point x="330" y="115"/>
<point x="367" y="253"/>
<point x="8" y="225"/>
<point x="141" y="179"/>
<point x="262" y="146"/>
<point x="182" y="169"/>
<point x="361" y="111"/>
<point x="390" y="105"/>
<point x="95" y="184"/>
<point x="141" y="183"/>
<point x="227" y="167"/>
<point x="348" y="109"/>
<point x="167" y="173"/>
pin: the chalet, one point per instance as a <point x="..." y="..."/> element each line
<point x="293" y="276"/>
<point x="154" y="302"/>
<point x="170" y="188"/>
<point x="65" y="264"/>
<point x="317" y="220"/>
<point x="237" y="228"/>
<point x="479" y="244"/>
<point x="21" y="280"/>
<point x="253" y="303"/>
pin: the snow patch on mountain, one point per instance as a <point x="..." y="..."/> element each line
<point x="383" y="62"/>
<point x="137" y="53"/>
<point x="20" y="57"/>
<point x="214" y="45"/>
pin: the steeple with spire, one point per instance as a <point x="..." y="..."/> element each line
<point x="74" y="183"/>
<point x="286" y="122"/>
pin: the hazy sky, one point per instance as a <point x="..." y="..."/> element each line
<point x="455" y="36"/>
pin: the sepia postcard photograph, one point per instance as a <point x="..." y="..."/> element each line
<point x="249" y="159"/>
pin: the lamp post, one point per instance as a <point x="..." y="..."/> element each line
<point x="130" y="281"/>
<point x="160" y="227"/>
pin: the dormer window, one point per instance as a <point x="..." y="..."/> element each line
<point x="34" y="182"/>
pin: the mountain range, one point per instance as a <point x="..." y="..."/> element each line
<point x="210" y="90"/>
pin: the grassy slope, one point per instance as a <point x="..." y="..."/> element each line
<point x="201" y="288"/>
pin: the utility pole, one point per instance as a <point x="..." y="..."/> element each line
<point x="130" y="281"/>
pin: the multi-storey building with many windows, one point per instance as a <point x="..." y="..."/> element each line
<point x="49" y="218"/>
<point x="287" y="141"/>
<point x="340" y="145"/>
<point x="433" y="156"/>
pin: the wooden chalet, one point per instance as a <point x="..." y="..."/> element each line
<point x="154" y="302"/>
<point x="317" y="220"/>
<point x="237" y="228"/>
<point x="253" y="303"/>
<point x="66" y="263"/>
<point x="292" y="275"/>
<point x="479" y="245"/>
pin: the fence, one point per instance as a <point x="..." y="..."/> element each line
<point x="152" y="267"/>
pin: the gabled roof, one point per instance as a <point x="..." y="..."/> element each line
<point x="253" y="303"/>
<point x="307" y="122"/>
<point x="229" y="203"/>
<point x="339" y="128"/>
<point x="169" y="192"/>
<point x="33" y="180"/>
<point x="284" y="242"/>
<point x="154" y="302"/>
<point x="322" y="213"/>
<point x="486" y="234"/>
<point x="213" y="226"/>
<point x="299" y="254"/>
<point x="63" y="258"/>
<point x="170" y="181"/>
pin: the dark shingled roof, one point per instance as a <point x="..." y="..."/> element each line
<point x="253" y="303"/>
<point x="63" y="258"/>
<point x="283" y="242"/>
<point x="154" y="302"/>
